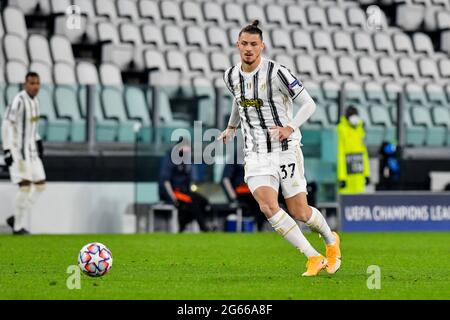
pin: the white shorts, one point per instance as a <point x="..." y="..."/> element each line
<point x="272" y="169"/>
<point x="31" y="170"/>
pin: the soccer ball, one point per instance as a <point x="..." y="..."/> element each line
<point x="95" y="259"/>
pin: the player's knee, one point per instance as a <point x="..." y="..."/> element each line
<point x="302" y="213"/>
<point x="40" y="187"/>
<point x="269" y="208"/>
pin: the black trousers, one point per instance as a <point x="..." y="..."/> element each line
<point x="198" y="210"/>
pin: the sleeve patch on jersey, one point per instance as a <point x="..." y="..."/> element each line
<point x="293" y="84"/>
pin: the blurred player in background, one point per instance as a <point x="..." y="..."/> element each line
<point x="23" y="151"/>
<point x="263" y="93"/>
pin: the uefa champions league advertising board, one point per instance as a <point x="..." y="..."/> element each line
<point x="395" y="211"/>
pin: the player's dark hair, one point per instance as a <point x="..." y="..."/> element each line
<point x="252" y="29"/>
<point x="31" y="74"/>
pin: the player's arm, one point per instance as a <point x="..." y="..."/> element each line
<point x="10" y="131"/>
<point x="233" y="123"/>
<point x="38" y="139"/>
<point x="166" y="170"/>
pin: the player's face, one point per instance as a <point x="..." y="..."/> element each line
<point x="32" y="86"/>
<point x="250" y="47"/>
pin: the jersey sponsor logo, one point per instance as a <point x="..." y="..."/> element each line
<point x="257" y="103"/>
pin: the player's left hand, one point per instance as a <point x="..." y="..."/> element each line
<point x="280" y="133"/>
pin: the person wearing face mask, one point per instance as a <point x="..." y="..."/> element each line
<point x="177" y="174"/>
<point x="353" y="169"/>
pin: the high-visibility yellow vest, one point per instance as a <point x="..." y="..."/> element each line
<point x="352" y="157"/>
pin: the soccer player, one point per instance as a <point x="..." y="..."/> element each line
<point x="23" y="150"/>
<point x="263" y="93"/>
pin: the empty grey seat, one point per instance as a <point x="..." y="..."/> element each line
<point x="356" y="18"/>
<point x="110" y="75"/>
<point x="113" y="50"/>
<point x="15" y="72"/>
<point x="198" y="61"/>
<point x="138" y="110"/>
<point x="343" y="42"/>
<point x="388" y="68"/>
<point x="347" y="67"/>
<point x="204" y="92"/>
<point x="374" y="93"/>
<point x="435" y="135"/>
<point x="155" y="60"/>
<point x="428" y="69"/>
<point x="255" y="11"/>
<point x="192" y="12"/>
<point x="26" y="6"/>
<point x="275" y="15"/>
<point x="44" y="71"/>
<point x="415" y="95"/>
<point x="39" y="49"/>
<point x="408" y="69"/>
<point x="219" y="61"/>
<point x="14" y="22"/>
<point x="15" y="48"/>
<point x="195" y="37"/>
<point x="285" y="60"/>
<point x="149" y="9"/>
<point x="383" y="43"/>
<point x="363" y="43"/>
<point x="61" y="50"/>
<point x="234" y="14"/>
<point x="326" y="66"/>
<point x="306" y="66"/>
<point x="322" y="41"/>
<point x="281" y="40"/>
<point x="423" y="44"/>
<point x="444" y="67"/>
<point x="402" y="44"/>
<point x="301" y="41"/>
<point x="87" y="73"/>
<point x="64" y="74"/>
<point x="436" y="94"/>
<point x="336" y="17"/>
<point x="217" y="37"/>
<point x="170" y="12"/>
<point x="296" y="16"/>
<point x="108" y="9"/>
<point x="152" y="35"/>
<point x="128" y="9"/>
<point x="213" y="13"/>
<point x="316" y="17"/>
<point x="176" y="60"/>
<point x="441" y="118"/>
<point x="174" y="35"/>
<point x="354" y="93"/>
<point x="368" y="67"/>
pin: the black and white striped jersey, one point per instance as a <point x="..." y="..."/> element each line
<point x="265" y="99"/>
<point x="20" y="126"/>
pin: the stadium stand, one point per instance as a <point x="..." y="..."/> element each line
<point x="329" y="43"/>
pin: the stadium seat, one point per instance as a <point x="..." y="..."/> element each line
<point x="213" y="13"/>
<point x="44" y="71"/>
<point x="113" y="50"/>
<point x="428" y="69"/>
<point x="301" y="41"/>
<point x="234" y="14"/>
<point x="408" y="69"/>
<point x="56" y="129"/>
<point x="314" y="91"/>
<point x="110" y="75"/>
<point x="196" y="38"/>
<point x="374" y="133"/>
<point x="138" y="109"/>
<point x="380" y="116"/>
<point x="59" y="6"/>
<point x="444" y="68"/>
<point x="114" y="108"/>
<point x="14" y="22"/>
<point x="154" y="60"/>
<point x="170" y="12"/>
<point x="415" y="95"/>
<point x="85" y="32"/>
<point x="39" y="49"/>
<point x="435" y="135"/>
<point x="198" y="61"/>
<point x="330" y="89"/>
<point x="415" y="134"/>
<point x="275" y="15"/>
<point x="152" y="35"/>
<point x="285" y="60"/>
<point x="336" y="17"/>
<point x="326" y="66"/>
<point x="174" y="35"/>
<point x="106" y="129"/>
<point x="296" y="17"/>
<point x="205" y="95"/>
<point x="436" y="95"/>
<point x="402" y="44"/>
<point x="306" y="66"/>
<point x="316" y="17"/>
<point x="15" y="48"/>
<point x="107" y="8"/>
<point x="356" y="18"/>
<point x="368" y="68"/>
<point x="388" y="68"/>
<point x="374" y="93"/>
<point x="363" y="43"/>
<point x="176" y="60"/>
<point x="422" y="44"/>
<point x="219" y="61"/>
<point x="233" y="35"/>
<point x="343" y="43"/>
<point x="10" y="92"/>
<point x="64" y="74"/>
<point x="128" y="9"/>
<point x="441" y="118"/>
<point x="130" y="33"/>
<point x="15" y="72"/>
<point x="62" y="50"/>
<point x="217" y="37"/>
<point x="383" y="44"/>
<point x="322" y="42"/>
<point x="66" y="103"/>
<point x="87" y="73"/>
<point x="347" y="67"/>
<point x="281" y="40"/>
<point x="149" y="9"/>
<point x="191" y="12"/>
<point x="28" y="7"/>
<point x="254" y="11"/>
<point x="354" y="93"/>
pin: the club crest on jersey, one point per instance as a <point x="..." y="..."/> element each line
<point x="257" y="103"/>
<point x="293" y="84"/>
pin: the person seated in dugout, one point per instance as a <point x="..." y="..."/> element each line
<point x="177" y="174"/>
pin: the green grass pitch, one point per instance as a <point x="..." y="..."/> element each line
<point x="226" y="266"/>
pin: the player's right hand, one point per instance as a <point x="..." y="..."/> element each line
<point x="227" y="134"/>
<point x="8" y="158"/>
